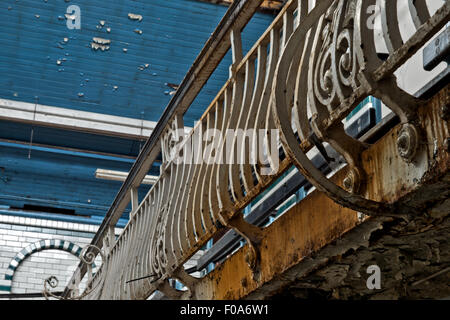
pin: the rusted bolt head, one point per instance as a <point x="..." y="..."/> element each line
<point x="408" y="142"/>
<point x="348" y="183"/>
<point x="352" y="181"/>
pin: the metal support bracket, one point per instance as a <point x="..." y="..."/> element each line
<point x="168" y="291"/>
<point x="253" y="235"/>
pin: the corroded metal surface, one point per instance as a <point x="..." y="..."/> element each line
<point x="391" y="178"/>
<point x="304" y="229"/>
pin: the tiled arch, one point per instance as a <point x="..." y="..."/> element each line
<point x="37" y="247"/>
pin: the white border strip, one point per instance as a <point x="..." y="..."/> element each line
<point x="45" y="223"/>
<point x="75" y="120"/>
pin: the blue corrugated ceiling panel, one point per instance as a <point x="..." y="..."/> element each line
<point x="42" y="61"/>
<point x="27" y="133"/>
<point x="58" y="179"/>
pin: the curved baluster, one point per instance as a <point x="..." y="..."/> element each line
<point x="261" y="114"/>
<point x="154" y="260"/>
<point x="246" y="168"/>
<point x="141" y="266"/>
<point x="193" y="206"/>
<point x="131" y="256"/>
<point x="229" y="173"/>
<point x="173" y="189"/>
<point x="210" y="188"/>
<point x="293" y="71"/>
<point x="222" y="189"/>
<point x="186" y="224"/>
<point x="148" y="258"/>
<point x="175" y="246"/>
<point x="200" y="201"/>
<point x="120" y="268"/>
<point x="179" y="230"/>
<point x="390" y="25"/>
<point x="238" y="151"/>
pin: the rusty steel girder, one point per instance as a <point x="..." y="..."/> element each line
<point x="317" y="220"/>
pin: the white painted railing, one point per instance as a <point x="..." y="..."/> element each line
<point x="309" y="70"/>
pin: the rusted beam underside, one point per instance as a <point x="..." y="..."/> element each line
<point x="317" y="221"/>
<point x="413" y="257"/>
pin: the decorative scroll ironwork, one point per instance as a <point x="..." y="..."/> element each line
<point x="339" y="58"/>
<point x="303" y="81"/>
<point x="87" y="256"/>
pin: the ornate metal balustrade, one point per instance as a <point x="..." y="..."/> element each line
<point x="308" y="71"/>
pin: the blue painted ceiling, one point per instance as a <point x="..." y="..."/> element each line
<point x="34" y="37"/>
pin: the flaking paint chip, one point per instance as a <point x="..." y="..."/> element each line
<point x="101" y="40"/>
<point x="134" y="16"/>
<point x="70" y="16"/>
<point x="100" y="44"/>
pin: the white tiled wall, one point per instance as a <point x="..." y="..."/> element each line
<point x="16" y="233"/>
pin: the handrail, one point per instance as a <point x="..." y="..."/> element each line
<point x="324" y="67"/>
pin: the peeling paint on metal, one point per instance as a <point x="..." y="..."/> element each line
<point x="100" y="44"/>
<point x="70" y="16"/>
<point x="133" y="16"/>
